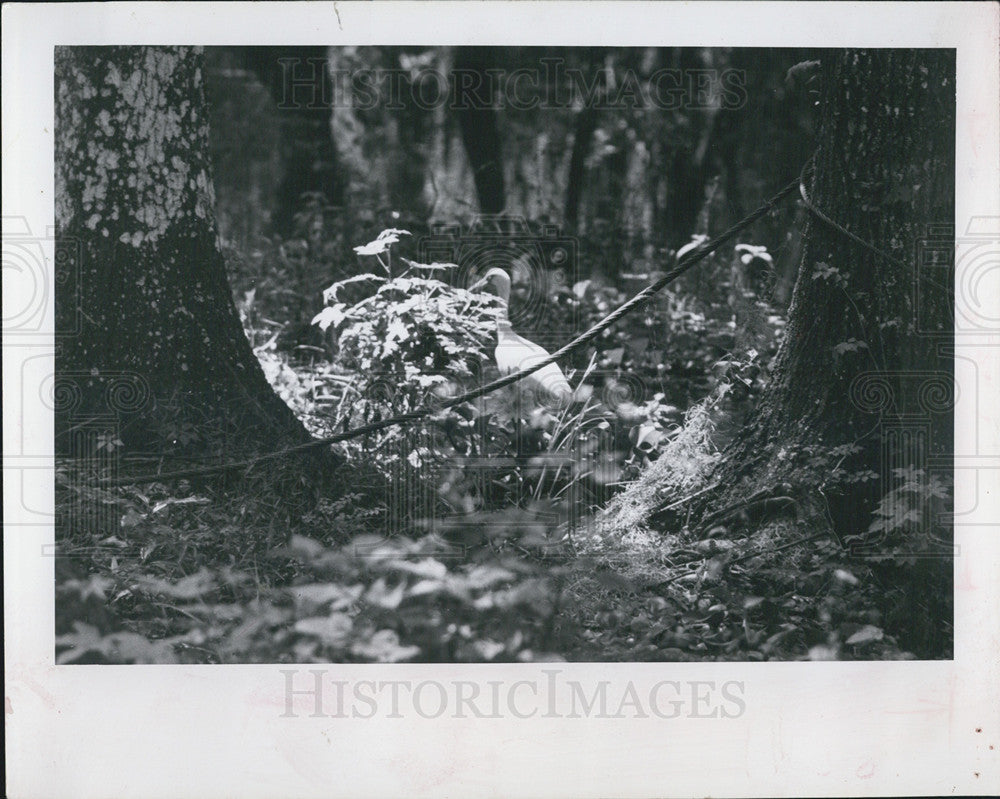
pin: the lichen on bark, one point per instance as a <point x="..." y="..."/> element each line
<point x="145" y="156"/>
<point x="135" y="217"/>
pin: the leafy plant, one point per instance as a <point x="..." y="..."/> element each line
<point x="410" y="335"/>
<point x="907" y="522"/>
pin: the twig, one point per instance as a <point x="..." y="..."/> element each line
<point x="688" y="498"/>
<point x="773" y="550"/>
<point x="764" y="495"/>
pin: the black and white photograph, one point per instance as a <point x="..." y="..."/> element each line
<point x="488" y="376"/>
<point x="744" y="464"/>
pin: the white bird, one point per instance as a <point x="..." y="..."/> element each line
<point x="515" y="352"/>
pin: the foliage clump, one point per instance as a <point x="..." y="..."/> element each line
<point x="414" y="330"/>
<point x="202" y="596"/>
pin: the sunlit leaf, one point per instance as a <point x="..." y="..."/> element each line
<point x="190" y="587"/>
<point x="134" y="648"/>
<point x="305" y="548"/>
<point x="332" y="315"/>
<point x="85" y="638"/>
<point x="823" y="652"/>
<point x="384" y="241"/>
<point x="483" y="576"/>
<point x="166" y="503"/>
<point x="381" y="595"/>
<point x="121" y="647"/>
<point x="319" y="594"/>
<point x="488" y="649"/>
<point x="428" y="568"/>
<point x="866" y="635"/>
<point x="434" y="267"/>
<point x="332" y="630"/>
<point x="384" y="647"/>
<point x="424" y="587"/>
<point x="750" y="252"/>
<point x="845" y="577"/>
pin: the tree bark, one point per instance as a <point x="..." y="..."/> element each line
<point x="690" y="167"/>
<point x="478" y="121"/>
<point x="866" y="359"/>
<point x="158" y="346"/>
<point x="584" y="127"/>
<point x="884" y="173"/>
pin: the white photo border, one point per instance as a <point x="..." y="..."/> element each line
<point x="808" y="729"/>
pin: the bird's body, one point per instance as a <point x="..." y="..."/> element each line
<point x="515" y="352"/>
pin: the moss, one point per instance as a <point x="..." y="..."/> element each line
<point x="682" y="469"/>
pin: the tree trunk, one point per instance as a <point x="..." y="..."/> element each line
<point x="296" y="78"/>
<point x="477" y="119"/>
<point x="690" y="168"/>
<point x="158" y="350"/>
<point x="584" y="127"/>
<point x="884" y="172"/>
<point x="865" y="359"/>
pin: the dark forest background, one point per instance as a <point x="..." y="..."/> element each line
<point x="630" y="175"/>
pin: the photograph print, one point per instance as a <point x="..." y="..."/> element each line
<point x="423" y="354"/>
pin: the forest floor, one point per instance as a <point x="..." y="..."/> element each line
<point x="190" y="578"/>
<point x="185" y="573"/>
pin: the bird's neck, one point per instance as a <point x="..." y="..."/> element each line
<point x="503" y="321"/>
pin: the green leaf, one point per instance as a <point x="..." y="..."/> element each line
<point x="317" y="595"/>
<point x="333" y="315"/>
<point x="845" y="577"/>
<point x="425" y="587"/>
<point x="305" y="548"/>
<point x="824" y="271"/>
<point x="134" y="648"/>
<point x="87" y="638"/>
<point x="434" y="267"/>
<point x="190" y="587"/>
<point x="851" y="345"/>
<point x="384" y="241"/>
<point x="331" y="292"/>
<point x="381" y="595"/>
<point x="488" y="649"/>
<point x="122" y="647"/>
<point x="480" y="577"/>
<point x="428" y="568"/>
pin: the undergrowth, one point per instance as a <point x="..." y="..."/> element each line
<point x="182" y="582"/>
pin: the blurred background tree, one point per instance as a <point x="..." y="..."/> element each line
<point x="631" y="150"/>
